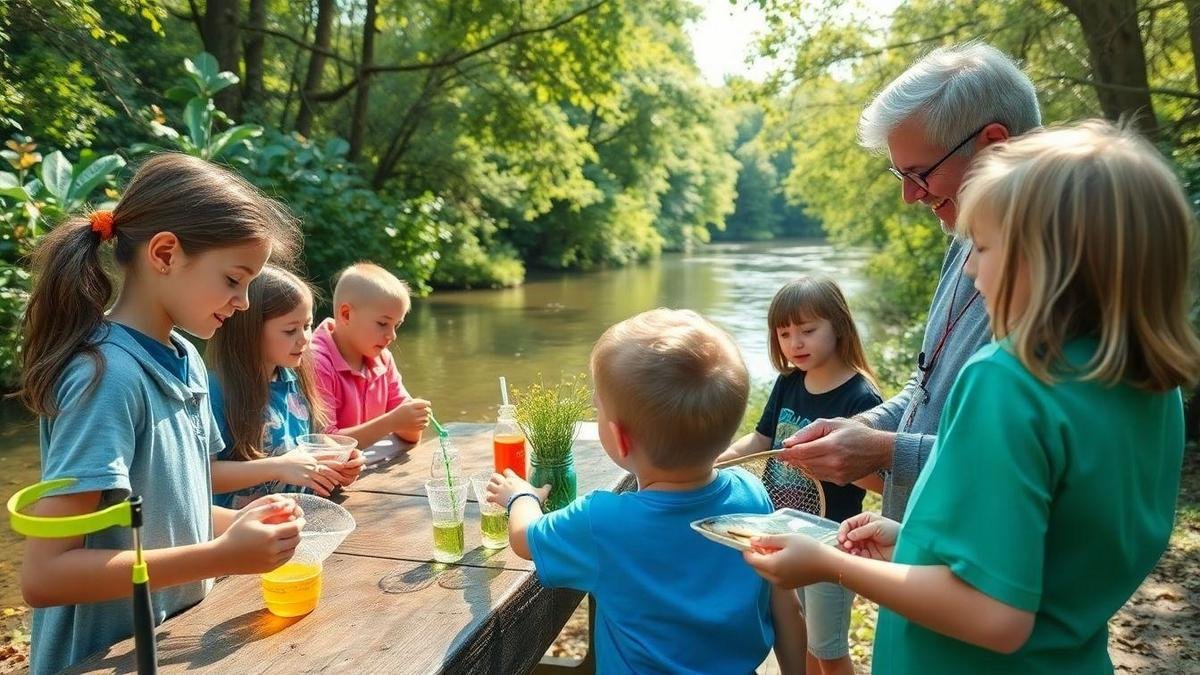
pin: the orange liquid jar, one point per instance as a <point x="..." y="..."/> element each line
<point x="508" y="443"/>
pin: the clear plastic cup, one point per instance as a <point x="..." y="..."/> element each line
<point x="327" y="443"/>
<point x="493" y="520"/>
<point x="448" y="501"/>
<point x="294" y="588"/>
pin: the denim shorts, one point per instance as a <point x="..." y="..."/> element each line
<point x="826" y="609"/>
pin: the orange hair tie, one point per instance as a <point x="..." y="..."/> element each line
<point x="102" y="224"/>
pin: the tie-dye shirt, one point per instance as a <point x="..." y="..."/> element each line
<point x="286" y="419"/>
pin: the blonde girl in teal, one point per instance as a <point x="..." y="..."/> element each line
<point x="1050" y="493"/>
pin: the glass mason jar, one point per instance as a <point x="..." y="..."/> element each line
<point x="559" y="475"/>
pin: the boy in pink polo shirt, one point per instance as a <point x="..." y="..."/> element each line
<point x="356" y="374"/>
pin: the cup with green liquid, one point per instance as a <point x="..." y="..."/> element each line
<point x="493" y="520"/>
<point x="447" y="501"/>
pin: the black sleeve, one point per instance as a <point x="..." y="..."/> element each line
<point x="770" y="414"/>
<point x="865" y="399"/>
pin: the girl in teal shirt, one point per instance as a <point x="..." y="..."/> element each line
<point x="1050" y="493"/>
<point x="122" y="399"/>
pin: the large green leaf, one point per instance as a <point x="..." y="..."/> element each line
<point x="56" y="175"/>
<point x="93" y="175"/>
<point x="231" y="137"/>
<point x="181" y="93"/>
<point x="220" y="81"/>
<point x="198" y="117"/>
<point x="10" y="187"/>
<point x="203" y="64"/>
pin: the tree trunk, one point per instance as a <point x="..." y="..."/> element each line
<point x="252" y="86"/>
<point x="1193" y="15"/>
<point x="219" y="31"/>
<point x="316" y="65"/>
<point x="1118" y="59"/>
<point x="358" y="120"/>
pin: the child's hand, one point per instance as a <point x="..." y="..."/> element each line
<point x="349" y="470"/>
<point x="411" y="416"/>
<point x="305" y="470"/>
<point x="789" y="560"/>
<point x="262" y="537"/>
<point x="869" y="535"/>
<point x="501" y="488"/>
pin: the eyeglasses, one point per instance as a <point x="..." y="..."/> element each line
<point x="921" y="179"/>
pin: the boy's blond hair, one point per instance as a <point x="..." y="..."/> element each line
<point x="1101" y="224"/>
<point x="365" y="282"/>
<point x="675" y="382"/>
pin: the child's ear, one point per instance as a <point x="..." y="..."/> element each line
<point x="624" y="443"/>
<point x="342" y="312"/>
<point x="162" y="250"/>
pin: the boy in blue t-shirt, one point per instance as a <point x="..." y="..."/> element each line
<point x="670" y="391"/>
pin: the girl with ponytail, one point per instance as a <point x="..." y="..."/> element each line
<point x="123" y="399"/>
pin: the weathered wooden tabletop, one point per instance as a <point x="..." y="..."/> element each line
<point x="386" y="607"/>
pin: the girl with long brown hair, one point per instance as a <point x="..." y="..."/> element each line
<point x="264" y="397"/>
<point x="122" y="400"/>
<point x="823" y="373"/>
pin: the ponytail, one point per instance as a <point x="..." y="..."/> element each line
<point x="65" y="308"/>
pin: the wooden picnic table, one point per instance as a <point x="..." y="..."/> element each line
<point x="385" y="606"/>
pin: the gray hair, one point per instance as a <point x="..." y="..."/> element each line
<point x="953" y="91"/>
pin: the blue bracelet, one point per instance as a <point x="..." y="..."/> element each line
<point x="517" y="496"/>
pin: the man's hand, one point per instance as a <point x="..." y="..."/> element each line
<point x="839" y="450"/>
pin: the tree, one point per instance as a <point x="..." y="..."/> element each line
<point x="220" y="29"/>
<point x="1118" y="59"/>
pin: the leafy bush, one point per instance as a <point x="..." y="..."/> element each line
<point x="37" y="194"/>
<point x="344" y="220"/>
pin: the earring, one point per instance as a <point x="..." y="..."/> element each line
<point x="163" y="270"/>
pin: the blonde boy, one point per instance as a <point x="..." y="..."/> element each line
<point x="670" y="391"/>
<point x="356" y="374"/>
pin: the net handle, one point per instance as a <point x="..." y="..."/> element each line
<point x="769" y="454"/>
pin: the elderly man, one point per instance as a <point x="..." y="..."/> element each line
<point x="932" y="120"/>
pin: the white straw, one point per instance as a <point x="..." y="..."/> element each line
<point x="503" y="390"/>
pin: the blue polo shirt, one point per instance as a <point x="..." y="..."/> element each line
<point x="133" y="427"/>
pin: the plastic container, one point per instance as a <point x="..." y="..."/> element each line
<point x="508" y="442"/>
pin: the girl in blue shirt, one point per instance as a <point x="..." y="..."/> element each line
<point x="265" y="397"/>
<point x="122" y="401"/>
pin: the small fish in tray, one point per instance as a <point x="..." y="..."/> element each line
<point x="736" y="529"/>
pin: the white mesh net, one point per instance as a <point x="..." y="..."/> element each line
<point x="790" y="487"/>
<point x="326" y="525"/>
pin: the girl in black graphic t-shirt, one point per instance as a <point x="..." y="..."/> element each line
<point x="823" y="373"/>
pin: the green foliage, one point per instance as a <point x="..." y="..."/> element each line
<point x="762" y="211"/>
<point x="343" y="219"/>
<point x="549" y="415"/>
<point x="57" y="66"/>
<point x="195" y="92"/>
<point x="38" y="192"/>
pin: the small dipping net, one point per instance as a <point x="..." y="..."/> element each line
<point x="789" y="486"/>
